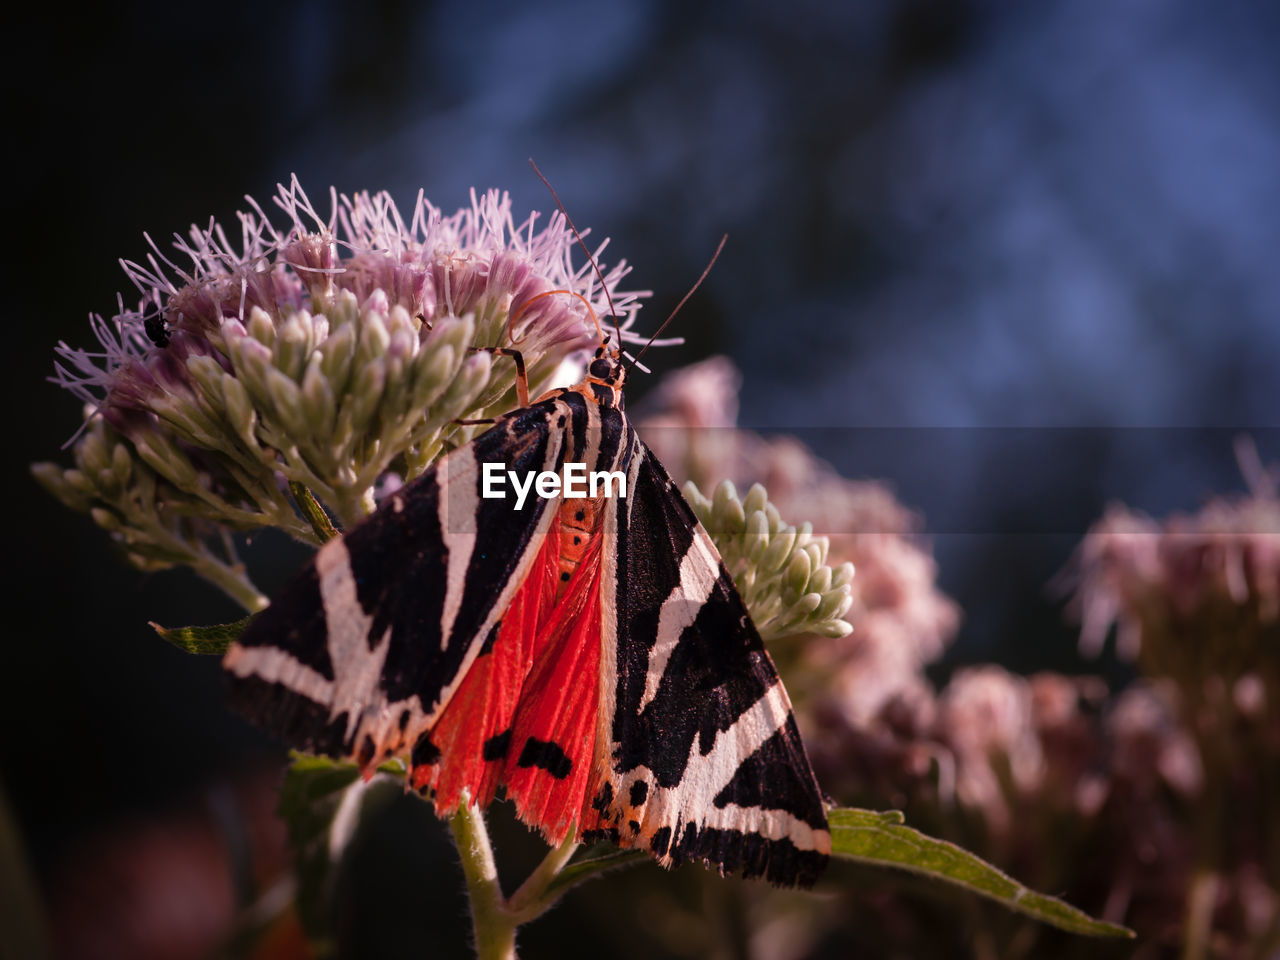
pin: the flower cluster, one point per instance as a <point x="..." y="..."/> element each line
<point x="1215" y="572"/>
<point x="334" y="356"/>
<point x="780" y="570"/>
<point x="1196" y="603"/>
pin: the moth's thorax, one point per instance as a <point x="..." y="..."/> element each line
<point x="604" y="379"/>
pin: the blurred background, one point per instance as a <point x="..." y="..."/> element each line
<point x="1012" y="259"/>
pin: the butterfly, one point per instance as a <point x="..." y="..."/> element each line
<point x="588" y="655"/>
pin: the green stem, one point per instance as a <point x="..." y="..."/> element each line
<point x="1202" y="895"/>
<point x="494" y="927"/>
<point x="531" y="900"/>
<point x="231" y="580"/>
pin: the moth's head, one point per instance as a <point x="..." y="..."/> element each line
<point x="606" y="366"/>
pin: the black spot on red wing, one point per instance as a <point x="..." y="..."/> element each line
<point x="496" y="747"/>
<point x="604" y="798"/>
<point x="425" y="753"/>
<point x="404" y="720"/>
<point x="576" y="541"/>
<point x="639" y="791"/>
<point x="635" y="826"/>
<point x="545" y="755"/>
<point x="661" y="841"/>
<point x="565" y="576"/>
<point x="368" y="749"/>
<point x="580" y="515"/>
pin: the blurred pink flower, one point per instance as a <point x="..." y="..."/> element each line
<point x="1149" y="577"/>
<point x="985" y="717"/>
<point x="1150" y="747"/>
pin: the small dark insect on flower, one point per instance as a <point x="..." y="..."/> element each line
<point x="156" y="330"/>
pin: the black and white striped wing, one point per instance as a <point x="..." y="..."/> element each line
<point x="707" y="763"/>
<point x="363" y="650"/>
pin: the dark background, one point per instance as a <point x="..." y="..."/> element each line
<point x="1016" y="259"/>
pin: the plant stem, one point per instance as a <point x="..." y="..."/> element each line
<point x="1201" y="897"/>
<point x="495" y="929"/>
<point x="231" y="580"/>
<point x="529" y="902"/>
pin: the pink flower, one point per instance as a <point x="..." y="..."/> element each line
<point x="476" y="261"/>
<point x="1154" y="580"/>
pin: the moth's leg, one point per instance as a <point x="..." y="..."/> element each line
<point x="522" y="382"/>
<point x="522" y="377"/>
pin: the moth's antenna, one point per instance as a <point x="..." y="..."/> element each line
<point x="682" y="302"/>
<point x="590" y="259"/>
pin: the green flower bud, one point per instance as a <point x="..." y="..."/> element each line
<point x="261" y="328"/>
<point x="365" y="394"/>
<point x="472" y="376"/>
<point x="798" y="573"/>
<point x="53" y="478"/>
<point x="286" y="399"/>
<point x="121" y="464"/>
<point x="433" y="371"/>
<point x="91" y="454"/>
<point x="318" y="403"/>
<point x="780" y="571"/>
<point x="163" y="456"/>
<point x="206" y="373"/>
<point x="239" y="409"/>
<point x="778" y="554"/>
<point x="756" y="500"/>
<point x="105" y="519"/>
<point x="337" y="356"/>
<point x="293" y="344"/>
<point x="373" y="337"/>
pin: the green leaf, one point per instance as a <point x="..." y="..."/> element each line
<point x="312" y="512"/>
<point x="580" y="871"/>
<point x="881" y="838"/>
<point x="310" y="797"/>
<point x="322" y="801"/>
<point x="213" y="640"/>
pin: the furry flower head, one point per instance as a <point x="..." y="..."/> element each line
<point x="336" y="353"/>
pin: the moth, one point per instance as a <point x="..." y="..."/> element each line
<point x="588" y="655"/>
